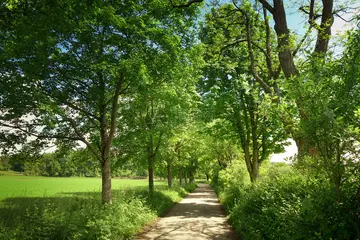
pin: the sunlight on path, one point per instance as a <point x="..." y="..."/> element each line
<point x="198" y="216"/>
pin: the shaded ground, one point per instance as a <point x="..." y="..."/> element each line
<point x="198" y="216"/>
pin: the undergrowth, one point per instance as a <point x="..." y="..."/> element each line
<point x="288" y="205"/>
<point x="82" y="216"/>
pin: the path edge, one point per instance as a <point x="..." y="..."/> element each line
<point x="147" y="227"/>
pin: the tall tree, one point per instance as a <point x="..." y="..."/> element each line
<point x="70" y="63"/>
<point x="234" y="87"/>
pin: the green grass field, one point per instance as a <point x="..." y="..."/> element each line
<point x="70" y="208"/>
<point x="33" y="186"/>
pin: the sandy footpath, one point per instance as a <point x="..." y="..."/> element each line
<point x="198" y="216"/>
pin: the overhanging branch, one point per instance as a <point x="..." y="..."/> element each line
<point x="188" y="4"/>
<point x="267" y="6"/>
<point x="38" y="135"/>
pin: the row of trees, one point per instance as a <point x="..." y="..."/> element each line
<point x="145" y="83"/>
<point x="310" y="96"/>
<point x="78" y="71"/>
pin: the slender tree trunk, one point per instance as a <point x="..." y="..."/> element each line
<point x="185" y="177"/>
<point x="107" y="132"/>
<point x="191" y="176"/>
<point x="169" y="170"/>
<point x="151" y="177"/>
<point x="207" y="176"/>
<point x="300" y="144"/>
<point x="255" y="171"/>
<point x="106" y="181"/>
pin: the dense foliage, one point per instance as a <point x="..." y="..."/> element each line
<point x="161" y="89"/>
<point x="286" y="204"/>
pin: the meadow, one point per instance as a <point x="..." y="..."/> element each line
<point x="37" y="186"/>
<point x="33" y="207"/>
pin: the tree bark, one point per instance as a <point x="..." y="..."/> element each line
<point x="107" y="135"/>
<point x="251" y="166"/>
<point x="106" y="181"/>
<point x="150" y="165"/>
<point x="255" y="171"/>
<point x="151" y="174"/>
<point x="324" y="32"/>
<point x="169" y="171"/>
<point x="151" y="178"/>
<point x="283" y="38"/>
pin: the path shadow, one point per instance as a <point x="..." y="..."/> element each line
<point x="196" y="210"/>
<point x="199" y="216"/>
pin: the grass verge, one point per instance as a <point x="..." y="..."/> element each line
<point x="80" y="215"/>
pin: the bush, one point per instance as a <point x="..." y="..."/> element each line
<point x="287" y="205"/>
<point x="82" y="216"/>
<point x="229" y="183"/>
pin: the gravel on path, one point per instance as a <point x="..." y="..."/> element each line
<point x="198" y="216"/>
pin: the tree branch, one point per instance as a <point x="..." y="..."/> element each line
<point x="302" y="40"/>
<point x="311" y="14"/>
<point x="188" y="4"/>
<point x="348" y="21"/>
<point x="91" y="116"/>
<point x="265" y="86"/>
<point x="39" y="135"/>
<point x="315" y="16"/>
<point x="232" y="44"/>
<point x="267" y="6"/>
<point x="324" y="31"/>
<point x="114" y="107"/>
<point x="82" y="138"/>
<point x="268" y="47"/>
<point x="158" y="143"/>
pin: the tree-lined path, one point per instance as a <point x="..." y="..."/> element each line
<point x="198" y="216"/>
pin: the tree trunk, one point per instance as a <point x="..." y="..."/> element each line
<point x="106" y="136"/>
<point x="151" y="178"/>
<point x="106" y="181"/>
<point x="192" y="180"/>
<point x="169" y="170"/>
<point x="247" y="160"/>
<point x="324" y="32"/>
<point x="185" y="177"/>
<point x="300" y="144"/>
<point x="207" y="177"/>
<point x="285" y="53"/>
<point x="255" y="171"/>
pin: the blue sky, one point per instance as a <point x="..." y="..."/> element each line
<point x="297" y="21"/>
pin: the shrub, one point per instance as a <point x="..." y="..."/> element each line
<point x="284" y="204"/>
<point x="230" y="182"/>
<point x="292" y="207"/>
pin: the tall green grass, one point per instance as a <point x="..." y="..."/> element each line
<point x="70" y="208"/>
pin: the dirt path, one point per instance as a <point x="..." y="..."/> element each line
<point x="198" y="216"/>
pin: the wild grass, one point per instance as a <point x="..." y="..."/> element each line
<point x="70" y="208"/>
